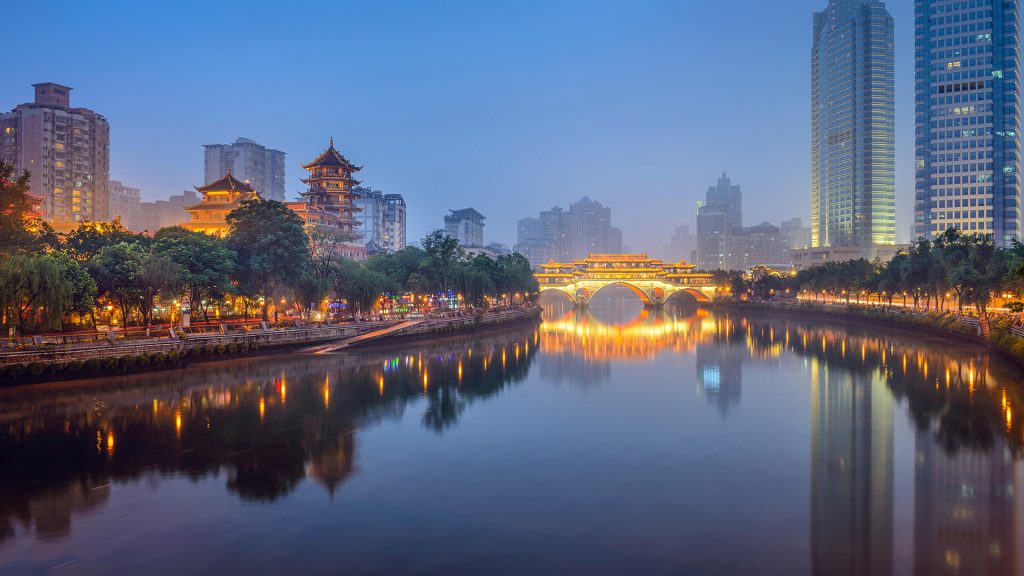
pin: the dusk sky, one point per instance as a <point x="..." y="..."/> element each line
<point x="508" y="107"/>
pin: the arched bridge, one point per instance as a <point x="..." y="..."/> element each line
<point x="654" y="281"/>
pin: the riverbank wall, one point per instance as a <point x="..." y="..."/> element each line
<point x="115" y="358"/>
<point x="1004" y="337"/>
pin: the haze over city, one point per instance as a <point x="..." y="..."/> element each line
<point x="508" y="108"/>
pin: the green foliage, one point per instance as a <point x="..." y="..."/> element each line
<point x="205" y="262"/>
<point x="90" y="238"/>
<point x="272" y="248"/>
<point x="34" y="291"/>
<point x="16" y="234"/>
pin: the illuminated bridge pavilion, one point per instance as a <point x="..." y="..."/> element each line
<point x="654" y="281"/>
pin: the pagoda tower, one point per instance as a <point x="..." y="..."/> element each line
<point x="329" y="201"/>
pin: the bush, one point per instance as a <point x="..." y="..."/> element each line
<point x="92" y="366"/>
<point x="35" y="369"/>
<point x="74" y="367"/>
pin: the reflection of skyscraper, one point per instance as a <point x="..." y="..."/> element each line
<point x="965" y="508"/>
<point x="720" y="373"/>
<point x="851" y="473"/>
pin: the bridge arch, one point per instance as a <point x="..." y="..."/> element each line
<point x="559" y="291"/>
<point x="644" y="297"/>
<point x="697" y="295"/>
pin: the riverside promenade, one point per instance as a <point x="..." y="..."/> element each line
<point x="57" y="357"/>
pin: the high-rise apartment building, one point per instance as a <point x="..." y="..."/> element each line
<point x="256" y="165"/>
<point x="967" y="128"/>
<point x="466" y="226"/>
<point x="124" y="203"/>
<point x="853" y="163"/>
<point x="67" y="151"/>
<point x="394" y="222"/>
<point x="370" y="218"/>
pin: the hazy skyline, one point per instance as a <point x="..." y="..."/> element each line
<point x="508" y="108"/>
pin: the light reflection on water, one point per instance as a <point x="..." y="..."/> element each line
<point x="617" y="440"/>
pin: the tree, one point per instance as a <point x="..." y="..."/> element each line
<point x="981" y="275"/>
<point x="33" y="286"/>
<point x="443" y="255"/>
<point x="83" y="288"/>
<point x="86" y="241"/>
<point x="15" y="211"/>
<point x="206" y="264"/>
<point x="159" y="275"/>
<point x="358" y="285"/>
<point x="272" y="248"/>
<point x="121" y="267"/>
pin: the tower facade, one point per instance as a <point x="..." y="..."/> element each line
<point x="853" y="162"/>
<point x="330" y="198"/>
<point x="967" y="118"/>
<point x="67" y="151"/>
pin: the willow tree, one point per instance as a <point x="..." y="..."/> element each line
<point x="15" y="211"/>
<point x="34" y="291"/>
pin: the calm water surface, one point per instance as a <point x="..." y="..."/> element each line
<point x="613" y="442"/>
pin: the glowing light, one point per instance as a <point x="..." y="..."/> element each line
<point x="460" y="370"/>
<point x="177" y="421"/>
<point x="263" y="409"/>
<point x="425" y="381"/>
<point x="110" y="442"/>
<point x="380" y="384"/>
<point x="156" y="406"/>
<point x="327" y="393"/>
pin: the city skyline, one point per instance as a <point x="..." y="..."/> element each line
<point x="426" y="110"/>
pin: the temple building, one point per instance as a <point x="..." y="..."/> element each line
<point x="329" y="203"/>
<point x="219" y="199"/>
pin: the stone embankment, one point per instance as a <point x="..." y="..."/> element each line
<point x="1006" y="333"/>
<point x="60" y="357"/>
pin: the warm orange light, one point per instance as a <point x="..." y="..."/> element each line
<point x="177" y="421"/>
<point x="263" y="408"/>
<point x="110" y="442"/>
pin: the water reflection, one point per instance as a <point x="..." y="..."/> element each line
<point x="263" y="427"/>
<point x="265" y="424"/>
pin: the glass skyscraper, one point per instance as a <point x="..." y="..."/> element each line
<point x="853" y="184"/>
<point x="967" y="101"/>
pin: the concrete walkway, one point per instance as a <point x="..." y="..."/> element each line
<point x="334" y="347"/>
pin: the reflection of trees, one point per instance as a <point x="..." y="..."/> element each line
<point x="267" y="423"/>
<point x="970" y="399"/>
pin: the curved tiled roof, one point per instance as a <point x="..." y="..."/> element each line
<point x="332" y="157"/>
<point x="227" y="182"/>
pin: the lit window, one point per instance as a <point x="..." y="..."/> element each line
<point x="58" y="146"/>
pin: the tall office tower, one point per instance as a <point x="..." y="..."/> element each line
<point x="853" y="163"/>
<point x="466" y="226"/>
<point x="394" y="222"/>
<point x="124" y="203"/>
<point x="967" y="129"/>
<point x="259" y="166"/>
<point x="66" y="149"/>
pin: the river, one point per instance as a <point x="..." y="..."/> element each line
<point x="618" y="441"/>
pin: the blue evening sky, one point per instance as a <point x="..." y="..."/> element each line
<point x="509" y="107"/>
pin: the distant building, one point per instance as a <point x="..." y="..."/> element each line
<point x="220" y="198"/>
<point x="328" y="206"/>
<point x="759" y="245"/>
<point x="124" y="203"/>
<point x="163" y="213"/>
<point x="67" y="151"/>
<point x="394" y="222"/>
<point x="259" y="166"/>
<point x="794" y="236"/>
<point x="968" y="118"/>
<point x="466" y="226"/>
<point x="804" y="258"/>
<point x="566" y="235"/>
<point x="853" y="118"/>
<point x="682" y="245"/>
<point x="719" y="216"/>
